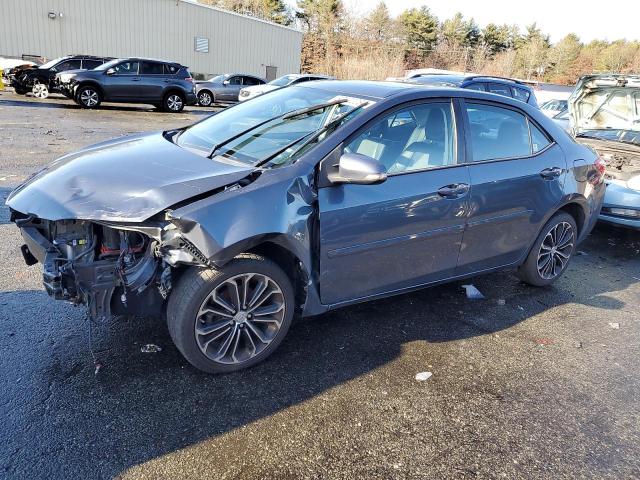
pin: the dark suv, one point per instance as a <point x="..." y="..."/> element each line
<point x="506" y="87"/>
<point x="41" y="80"/>
<point x="166" y="85"/>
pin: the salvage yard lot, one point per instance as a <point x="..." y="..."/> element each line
<point x="529" y="383"/>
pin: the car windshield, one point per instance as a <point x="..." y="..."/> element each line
<point x="216" y="79"/>
<point x="51" y="63"/>
<point x="282" y="81"/>
<point x="108" y="65"/>
<point x="254" y="132"/>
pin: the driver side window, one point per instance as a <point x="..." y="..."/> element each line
<point x="414" y="138"/>
<point x="126" y="68"/>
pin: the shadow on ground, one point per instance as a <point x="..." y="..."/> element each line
<point x="141" y="406"/>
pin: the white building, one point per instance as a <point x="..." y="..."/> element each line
<point x="206" y="39"/>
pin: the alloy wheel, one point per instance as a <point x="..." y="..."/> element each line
<point x="205" y="99"/>
<point x="555" y="250"/>
<point x="89" y="97"/>
<point x="40" y="91"/>
<point x="174" y="103"/>
<point x="240" y="318"/>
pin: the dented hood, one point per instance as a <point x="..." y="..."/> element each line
<point x="605" y="103"/>
<point x="124" y="180"/>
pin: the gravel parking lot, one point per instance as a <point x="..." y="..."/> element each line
<point x="529" y="383"/>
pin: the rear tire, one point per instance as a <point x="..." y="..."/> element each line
<point x="88" y="97"/>
<point x="551" y="252"/>
<point x="20" y="90"/>
<point x="246" y="307"/>
<point x="173" y="102"/>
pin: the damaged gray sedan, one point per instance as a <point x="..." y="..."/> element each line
<point x="306" y="199"/>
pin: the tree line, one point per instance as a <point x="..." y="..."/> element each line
<point x="376" y="46"/>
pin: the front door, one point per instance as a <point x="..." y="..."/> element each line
<point x="517" y="178"/>
<point x="124" y="83"/>
<point x="407" y="230"/>
<point x="230" y="89"/>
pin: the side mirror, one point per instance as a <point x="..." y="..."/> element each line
<point x="111" y="71"/>
<point x="358" y="169"/>
<point x="225" y="83"/>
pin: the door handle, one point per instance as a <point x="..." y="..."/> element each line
<point x="551" y="173"/>
<point x="454" y="190"/>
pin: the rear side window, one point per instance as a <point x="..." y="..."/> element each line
<point x="476" y="86"/>
<point x="539" y="140"/>
<point x="170" y="69"/>
<point x="499" y="89"/>
<point x="414" y="138"/>
<point x="520" y="94"/>
<point x="91" y="64"/>
<point x="251" y="81"/>
<point x="497" y="132"/>
<point x="151" y="68"/>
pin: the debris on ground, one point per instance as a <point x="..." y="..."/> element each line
<point x="544" y="341"/>
<point x="98" y="367"/>
<point x="582" y="253"/>
<point x="473" y="293"/>
<point x="423" y="376"/>
<point x="614" y="325"/>
<point x="150" y="348"/>
<point x="502" y="301"/>
<point x="578" y="344"/>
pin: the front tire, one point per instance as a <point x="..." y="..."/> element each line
<point x="40" y="90"/>
<point x="88" y="97"/>
<point x="232" y="318"/>
<point x="205" y="98"/>
<point x="173" y="102"/>
<point x="552" y="251"/>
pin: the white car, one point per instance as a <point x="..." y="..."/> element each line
<point x="281" y="82"/>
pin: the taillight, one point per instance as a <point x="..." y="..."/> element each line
<point x="189" y="79"/>
<point x="600" y="166"/>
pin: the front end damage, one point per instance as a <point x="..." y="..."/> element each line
<point x="113" y="269"/>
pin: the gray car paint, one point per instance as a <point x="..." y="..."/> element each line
<point x="225" y="93"/>
<point x="295" y="207"/>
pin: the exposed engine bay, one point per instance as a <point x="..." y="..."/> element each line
<point x="622" y="159"/>
<point x="112" y="269"/>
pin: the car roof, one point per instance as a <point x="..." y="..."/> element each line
<point x="459" y="80"/>
<point x="361" y="88"/>
<point x="143" y="59"/>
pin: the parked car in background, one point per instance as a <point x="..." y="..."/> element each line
<point x="604" y="113"/>
<point x="235" y="223"/>
<point x="8" y="64"/>
<point x="281" y="82"/>
<point x="500" y="86"/>
<point x="166" y="85"/>
<point x="41" y="80"/>
<point x="225" y="88"/>
<point x="552" y="108"/>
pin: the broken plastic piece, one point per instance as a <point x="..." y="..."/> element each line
<point x="473" y="293"/>
<point x="150" y="348"/>
<point x="98" y="367"/>
<point x="614" y="325"/>
<point x="502" y="301"/>
<point x="423" y="376"/>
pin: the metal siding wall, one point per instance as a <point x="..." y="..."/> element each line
<point x="148" y="28"/>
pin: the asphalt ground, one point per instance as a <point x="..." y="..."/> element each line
<point x="528" y="383"/>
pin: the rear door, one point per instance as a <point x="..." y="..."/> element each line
<point x="407" y="230"/>
<point x="152" y="80"/>
<point x="517" y="176"/>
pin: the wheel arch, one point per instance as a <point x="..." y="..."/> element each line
<point x="279" y="249"/>
<point x="91" y="83"/>
<point x="173" y="89"/>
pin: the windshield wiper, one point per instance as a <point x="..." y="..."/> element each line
<point x="313" y="135"/>
<point x="283" y="116"/>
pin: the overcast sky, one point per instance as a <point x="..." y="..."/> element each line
<point x="588" y="18"/>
